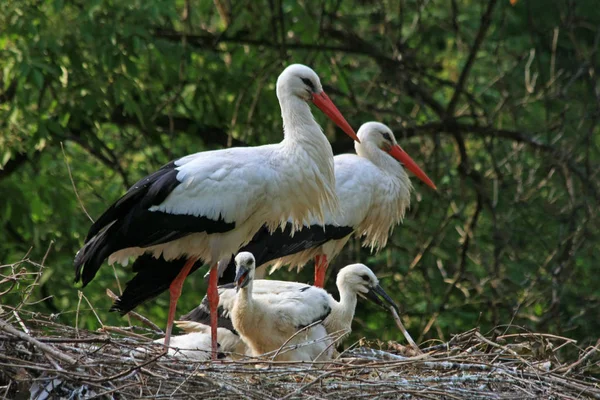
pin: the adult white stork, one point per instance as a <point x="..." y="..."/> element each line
<point x="375" y="189"/>
<point x="205" y="206"/>
<point x="374" y="201"/>
<point x="287" y="306"/>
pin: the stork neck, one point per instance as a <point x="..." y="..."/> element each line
<point x="380" y="158"/>
<point x="347" y="305"/>
<point x="393" y="173"/>
<point x="299" y="124"/>
<point x="305" y="147"/>
<point x="245" y="294"/>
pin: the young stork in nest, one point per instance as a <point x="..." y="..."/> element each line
<point x="269" y="312"/>
<point x="269" y="322"/>
<point x="195" y="344"/>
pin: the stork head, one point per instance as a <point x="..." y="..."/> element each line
<point x="301" y="81"/>
<point x="359" y="279"/>
<point x="245" y="266"/>
<point x="376" y="134"/>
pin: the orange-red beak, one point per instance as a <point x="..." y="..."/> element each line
<point x="400" y="155"/>
<point x="325" y="104"/>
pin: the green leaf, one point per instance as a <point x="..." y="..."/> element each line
<point x="6" y="157"/>
<point x="38" y="78"/>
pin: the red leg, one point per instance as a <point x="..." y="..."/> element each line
<point x="213" y="301"/>
<point x="320" y="269"/>
<point x="175" y="292"/>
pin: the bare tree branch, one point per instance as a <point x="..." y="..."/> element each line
<point x="483" y="28"/>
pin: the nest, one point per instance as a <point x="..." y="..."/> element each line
<point x="43" y="359"/>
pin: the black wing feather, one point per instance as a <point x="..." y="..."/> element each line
<point x="166" y="180"/>
<point x="324" y="314"/>
<point x="201" y="314"/>
<point x="268" y="246"/>
<point x="130" y="223"/>
<point x="151" y="279"/>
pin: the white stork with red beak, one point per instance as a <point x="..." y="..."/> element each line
<point x="375" y="192"/>
<point x="205" y="206"/>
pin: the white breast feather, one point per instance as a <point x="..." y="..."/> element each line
<point x="270" y="319"/>
<point x="371" y="200"/>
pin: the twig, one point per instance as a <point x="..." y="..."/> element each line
<point x="135" y="315"/>
<point x="536" y="335"/>
<point x="567" y="369"/>
<point x="130" y="370"/>
<point x="73" y="183"/>
<point x="91" y="307"/>
<point x="504" y="348"/>
<point x="107" y="328"/>
<point x="305" y="329"/>
<point x="5" y="326"/>
<point x="20" y="321"/>
<point x="409" y="339"/>
<point x="309" y="384"/>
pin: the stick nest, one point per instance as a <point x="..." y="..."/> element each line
<point x="43" y="359"/>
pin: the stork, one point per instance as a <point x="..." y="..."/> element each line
<point x="195" y="344"/>
<point x="300" y="304"/>
<point x="375" y="189"/>
<point x="206" y="205"/>
<point x="269" y="322"/>
<point x="374" y="201"/>
<point x="229" y="341"/>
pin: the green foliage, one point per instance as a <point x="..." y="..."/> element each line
<point x="498" y="103"/>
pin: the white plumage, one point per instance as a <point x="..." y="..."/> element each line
<point x="268" y="322"/>
<point x="376" y="192"/>
<point x="375" y="189"/>
<point x="195" y="343"/>
<point x="207" y="205"/>
<point x="352" y="280"/>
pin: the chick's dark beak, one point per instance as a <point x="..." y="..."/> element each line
<point x="241" y="278"/>
<point x="376" y="291"/>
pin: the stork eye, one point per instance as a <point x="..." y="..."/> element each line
<point x="309" y="83"/>
<point x="386" y="136"/>
<point x="365" y="277"/>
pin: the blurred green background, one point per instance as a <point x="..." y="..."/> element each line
<point x="499" y="104"/>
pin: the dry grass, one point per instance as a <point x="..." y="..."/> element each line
<point x="40" y="358"/>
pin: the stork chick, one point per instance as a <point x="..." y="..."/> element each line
<point x="268" y="322"/>
<point x="352" y="281"/>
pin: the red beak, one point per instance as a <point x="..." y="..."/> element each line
<point x="400" y="155"/>
<point x="325" y="104"/>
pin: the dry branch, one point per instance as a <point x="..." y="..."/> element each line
<point x="98" y="364"/>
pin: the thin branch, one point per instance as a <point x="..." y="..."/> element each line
<point x="6" y="327"/>
<point x="483" y="28"/>
<point x="62" y="147"/>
